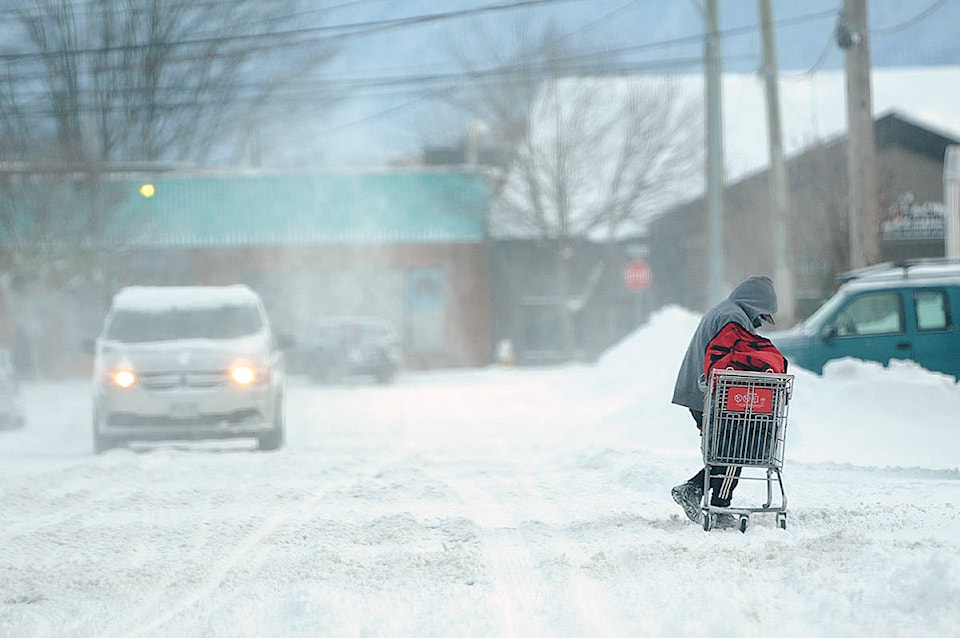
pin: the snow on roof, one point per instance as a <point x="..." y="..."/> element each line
<point x="813" y="108"/>
<point x="888" y="275"/>
<point x="160" y="298"/>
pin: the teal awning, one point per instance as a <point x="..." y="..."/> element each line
<point x="251" y="209"/>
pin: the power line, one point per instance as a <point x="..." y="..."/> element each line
<point x="602" y="18"/>
<point x="876" y="32"/>
<point x="816" y="65"/>
<point x="422" y="85"/>
<point x="912" y="21"/>
<point x="354" y="87"/>
<point x="442" y="83"/>
<point x="587" y="57"/>
<point x="733" y="32"/>
<point x="345" y="30"/>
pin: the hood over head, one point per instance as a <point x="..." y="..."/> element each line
<point x="756" y="296"/>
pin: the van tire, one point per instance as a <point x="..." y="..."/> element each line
<point x="274" y="439"/>
<point x="385" y="375"/>
<point x="103" y="443"/>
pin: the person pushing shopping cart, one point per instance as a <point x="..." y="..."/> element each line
<point x="751" y="303"/>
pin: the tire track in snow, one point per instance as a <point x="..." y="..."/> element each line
<point x="519" y="589"/>
<point x="517" y="592"/>
<point x="594" y="606"/>
<point x="250" y="551"/>
<point x="46" y="624"/>
<point x="32" y="526"/>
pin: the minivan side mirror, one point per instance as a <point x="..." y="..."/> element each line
<point x="828" y="333"/>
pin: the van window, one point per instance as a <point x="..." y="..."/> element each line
<point x="870" y="314"/>
<point x="932" y="310"/>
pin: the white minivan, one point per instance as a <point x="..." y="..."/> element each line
<point x="187" y="362"/>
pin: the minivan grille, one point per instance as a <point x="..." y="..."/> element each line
<point x="199" y="380"/>
<point x="236" y="418"/>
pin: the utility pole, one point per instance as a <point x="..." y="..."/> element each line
<point x="779" y="187"/>
<point x="862" y="220"/>
<point x="951" y="201"/>
<point x="712" y="63"/>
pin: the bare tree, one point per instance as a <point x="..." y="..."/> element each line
<point x="148" y="80"/>
<point x="600" y="155"/>
<point x="590" y="152"/>
<point x="502" y="74"/>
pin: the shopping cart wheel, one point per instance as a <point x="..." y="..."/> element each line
<point x="743" y="524"/>
<point x="782" y="520"/>
<point x="707" y="521"/>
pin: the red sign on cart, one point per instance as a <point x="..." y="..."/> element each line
<point x="756" y="400"/>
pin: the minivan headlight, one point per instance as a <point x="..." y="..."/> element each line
<point x="245" y="373"/>
<point x="123" y="378"/>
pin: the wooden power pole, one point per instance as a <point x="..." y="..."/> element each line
<point x="779" y="187"/>
<point x="862" y="218"/>
<point x="714" y="126"/>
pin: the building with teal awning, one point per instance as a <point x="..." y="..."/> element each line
<point x="315" y="245"/>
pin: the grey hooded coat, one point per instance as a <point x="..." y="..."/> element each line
<point x="751" y="298"/>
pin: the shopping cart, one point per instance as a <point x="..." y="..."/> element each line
<point x="745" y="425"/>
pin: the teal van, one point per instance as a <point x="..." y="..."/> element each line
<point x="890" y="311"/>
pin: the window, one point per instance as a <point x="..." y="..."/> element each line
<point x="932" y="310"/>
<point x="426" y="309"/>
<point x="871" y="314"/>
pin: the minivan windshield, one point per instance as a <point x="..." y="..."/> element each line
<point x="227" y="322"/>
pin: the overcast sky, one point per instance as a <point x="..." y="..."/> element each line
<point x="655" y="36"/>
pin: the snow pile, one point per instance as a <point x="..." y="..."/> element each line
<point x="858" y="412"/>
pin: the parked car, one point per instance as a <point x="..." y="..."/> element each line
<point x="347" y="347"/>
<point x="11" y="406"/>
<point x="908" y="311"/>
<point x="195" y="362"/>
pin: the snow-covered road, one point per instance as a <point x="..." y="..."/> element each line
<point x="487" y="503"/>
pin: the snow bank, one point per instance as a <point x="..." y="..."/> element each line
<point x="858" y="412"/>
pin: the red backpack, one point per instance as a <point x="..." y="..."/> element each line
<point x="737" y="348"/>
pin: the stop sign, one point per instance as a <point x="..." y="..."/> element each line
<point x="636" y="275"/>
